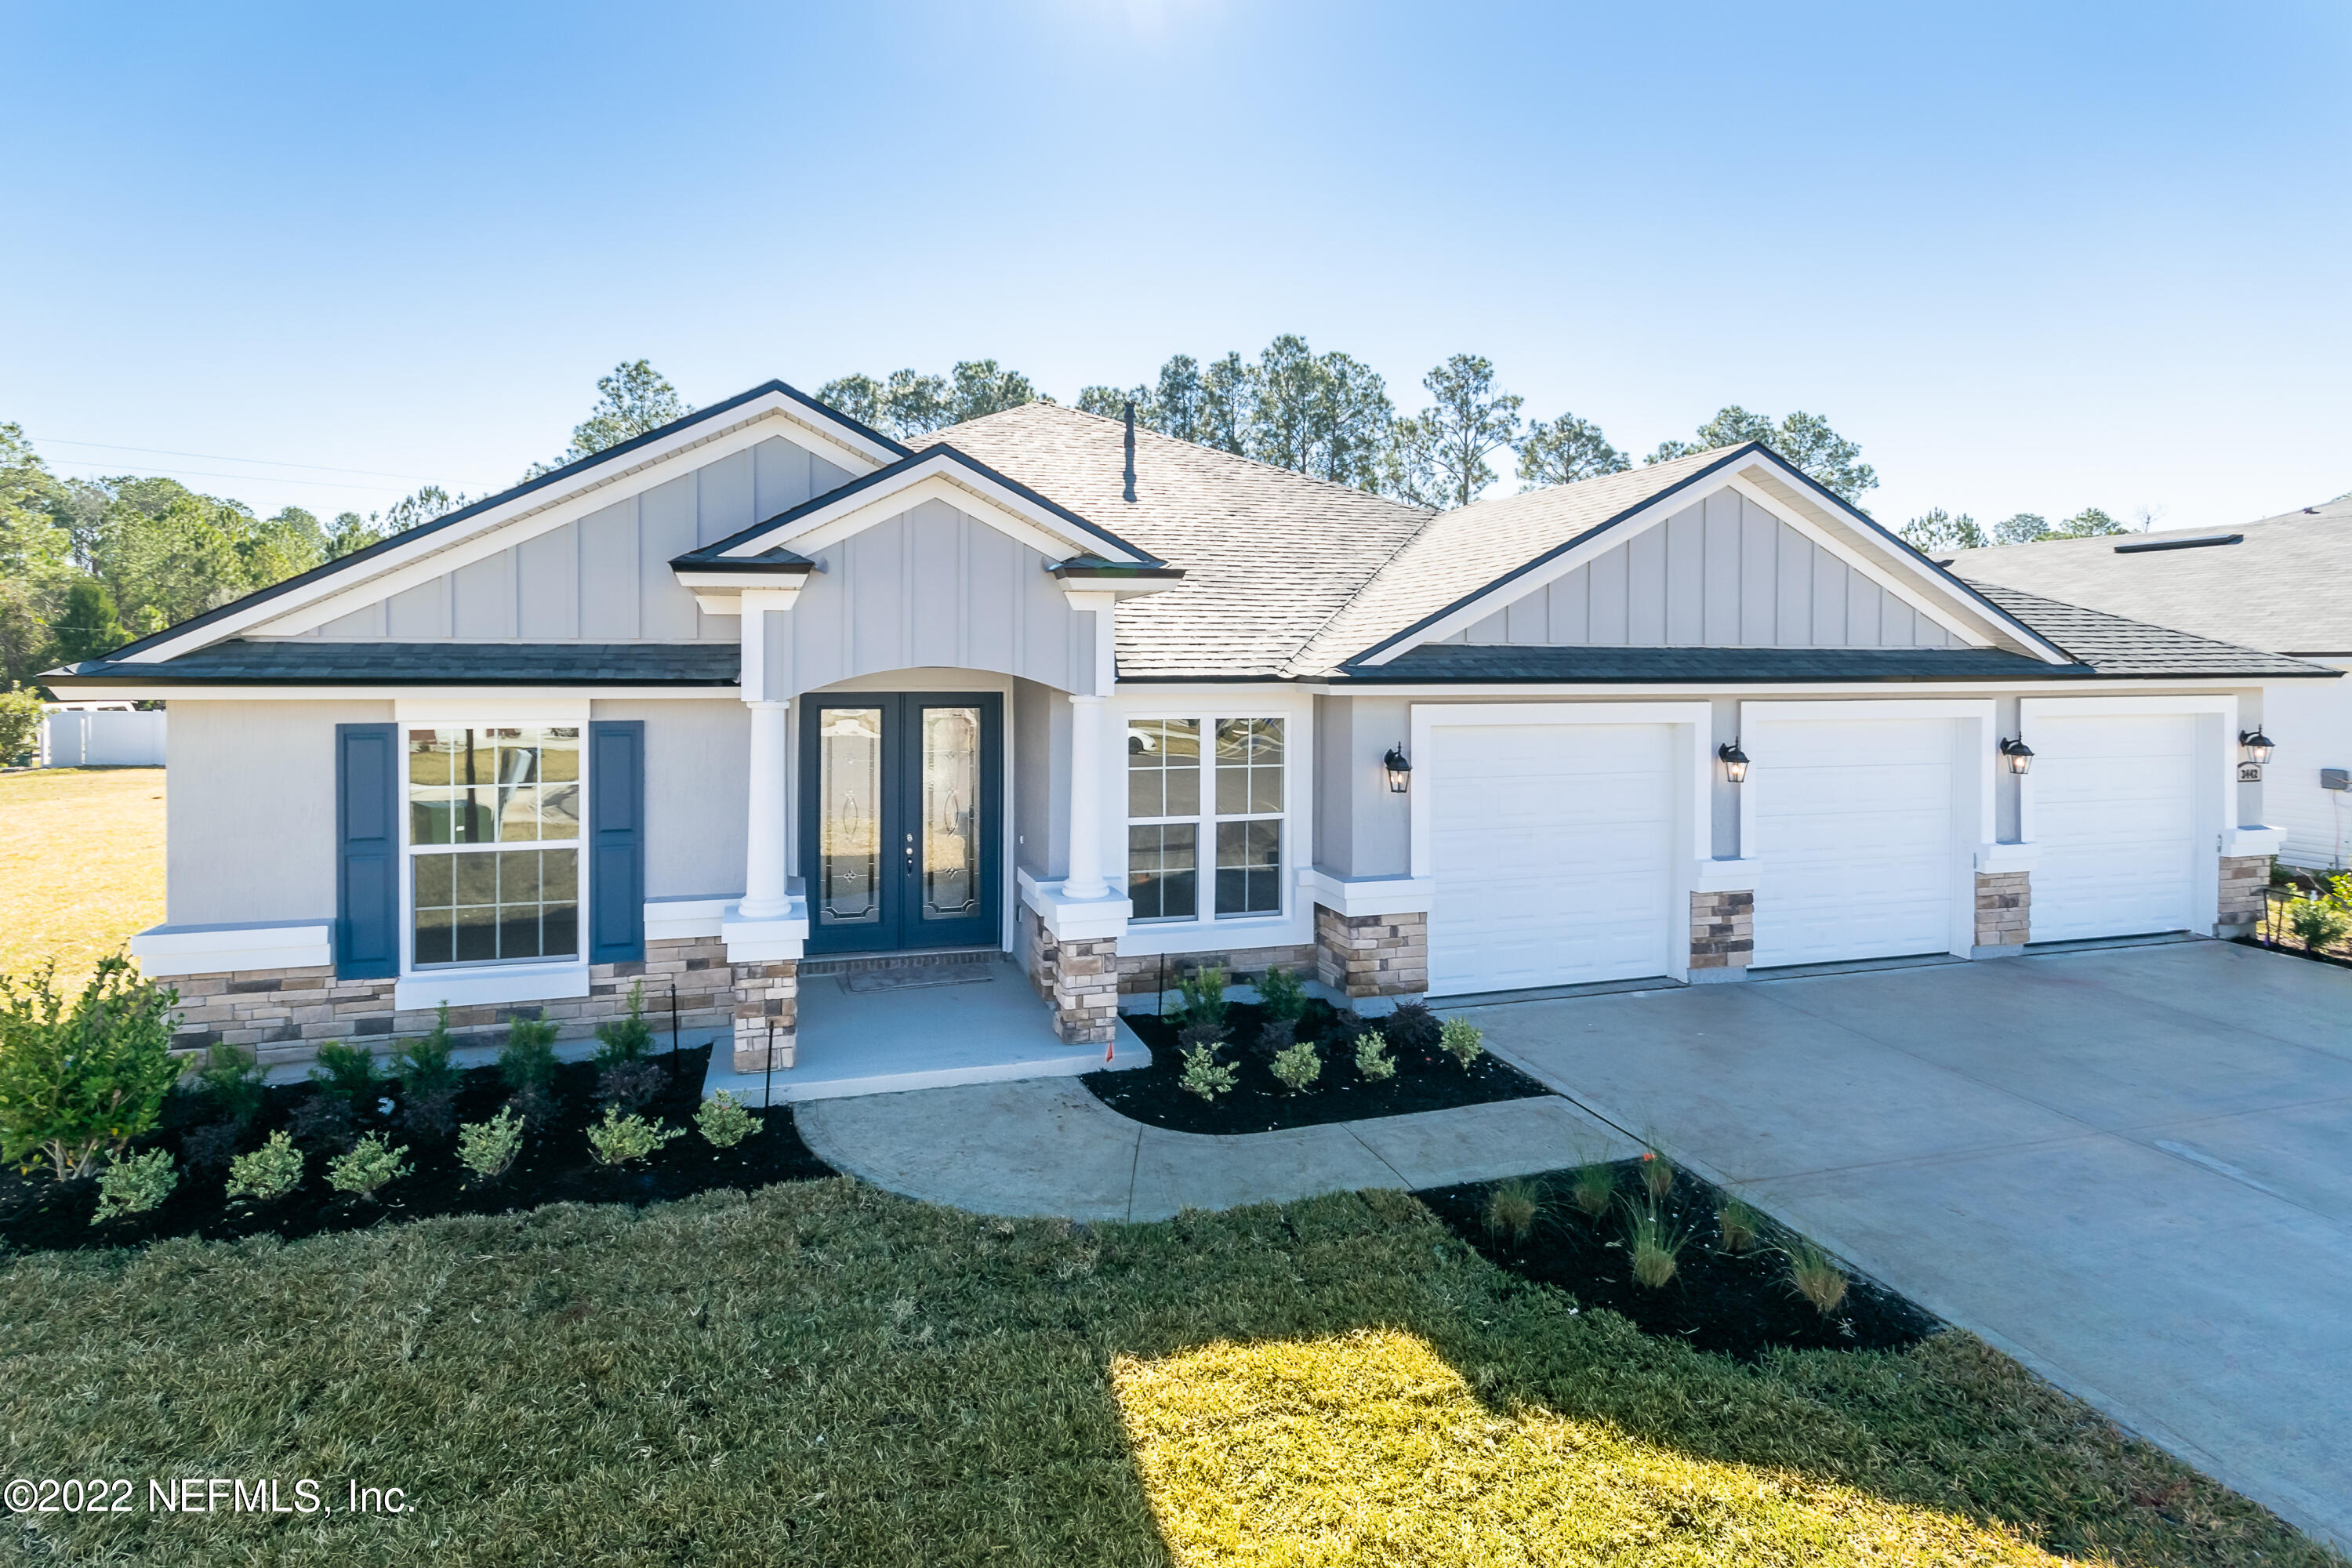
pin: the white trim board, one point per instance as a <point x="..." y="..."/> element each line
<point x="936" y="477"/>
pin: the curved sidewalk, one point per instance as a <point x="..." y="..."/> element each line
<point x="1047" y="1146"/>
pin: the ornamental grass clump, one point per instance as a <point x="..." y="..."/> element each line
<point x="489" y="1148"/>
<point x="1373" y="1063"/>
<point x="628" y="1038"/>
<point x="267" y="1174"/>
<point x="134" y="1185"/>
<point x="1205" y="1075"/>
<point x="370" y="1165"/>
<point x="230" y="1082"/>
<point x="1739" y="1225"/>
<point x="1593" y="1187"/>
<point x="1657" y="1175"/>
<point x="78" y="1078"/>
<point x="1298" y="1068"/>
<point x="1654" y="1243"/>
<point x="723" y="1122"/>
<point x="1815" y="1276"/>
<point x="1514" y="1208"/>
<point x="1462" y="1040"/>
<point x="621" y="1140"/>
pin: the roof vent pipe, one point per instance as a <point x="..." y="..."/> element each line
<point x="1129" y="491"/>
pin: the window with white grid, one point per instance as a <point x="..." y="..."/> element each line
<point x="1222" y="801"/>
<point x="493" y="842"/>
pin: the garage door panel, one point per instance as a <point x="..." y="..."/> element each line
<point x="2115" y="811"/>
<point x="1854" y="826"/>
<point x="1550" y="845"/>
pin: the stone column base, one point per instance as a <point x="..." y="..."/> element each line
<point x="1372" y="955"/>
<point x="1722" y="935"/>
<point x="2004" y="910"/>
<point x="767" y="1015"/>
<point x="2244" y="878"/>
<point x="1082" y="986"/>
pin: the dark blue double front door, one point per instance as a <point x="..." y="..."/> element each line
<point x="901" y="828"/>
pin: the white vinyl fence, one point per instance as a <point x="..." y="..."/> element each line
<point x="102" y="737"/>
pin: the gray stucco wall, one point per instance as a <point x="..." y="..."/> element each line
<point x="1361" y="827"/>
<point x="606" y="577"/>
<point x="1041" y="780"/>
<point x="1724" y="573"/>
<point x="697" y="780"/>
<point x="932" y="586"/>
<point x="250" y="810"/>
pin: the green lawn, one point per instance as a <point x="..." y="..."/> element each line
<point x="827" y="1374"/>
<point x="82" y="865"/>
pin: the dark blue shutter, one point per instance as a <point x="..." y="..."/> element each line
<point x="367" y="851"/>
<point x="616" y="841"/>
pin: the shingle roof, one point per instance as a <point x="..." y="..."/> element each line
<point x="2111" y="645"/>
<point x="303" y="661"/>
<point x="2287" y="588"/>
<point x="1268" y="555"/>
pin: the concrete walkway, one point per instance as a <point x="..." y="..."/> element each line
<point x="1048" y="1146"/>
<point x="2131" y="1168"/>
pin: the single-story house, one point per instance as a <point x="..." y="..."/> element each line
<point x="2283" y="584"/>
<point x="765" y="687"/>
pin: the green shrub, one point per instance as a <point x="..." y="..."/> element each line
<point x="1412" y="1029"/>
<point x="347" y="1073"/>
<point x="618" y="1139"/>
<point x="1280" y="995"/>
<point x="1298" y="1067"/>
<point x="231" y="1079"/>
<point x="723" y="1122"/>
<point x="487" y="1148"/>
<point x="2317" y="923"/>
<point x="79" y="1078"/>
<point x="134" y="1185"/>
<point x="528" y="1059"/>
<point x="369" y="1165"/>
<point x="269" y="1173"/>
<point x="20" y="723"/>
<point x="1514" y="1208"/>
<point x="1204" y="991"/>
<point x="1462" y="1040"/>
<point x="1205" y="1075"/>
<point x="625" y="1040"/>
<point x="1373" y="1062"/>
<point x="424" y="1065"/>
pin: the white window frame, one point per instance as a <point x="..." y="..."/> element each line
<point x="493" y="981"/>
<point x="1206" y="820"/>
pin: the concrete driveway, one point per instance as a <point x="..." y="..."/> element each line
<point x="2131" y="1167"/>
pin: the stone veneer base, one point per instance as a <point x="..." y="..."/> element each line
<point x="2004" y="909"/>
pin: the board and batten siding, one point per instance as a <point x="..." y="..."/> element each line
<point x="1724" y="573"/>
<point x="606" y="577"/>
<point x="932" y="587"/>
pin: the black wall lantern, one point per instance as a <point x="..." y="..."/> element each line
<point x="2018" y="756"/>
<point x="1735" y="762"/>
<point x="2255" y="746"/>
<point x="1400" y="770"/>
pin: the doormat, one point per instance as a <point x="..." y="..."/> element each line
<point x="914" y="975"/>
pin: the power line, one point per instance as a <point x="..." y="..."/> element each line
<point x="210" y="474"/>
<point x="219" y="458"/>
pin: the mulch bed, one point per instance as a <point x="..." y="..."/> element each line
<point x="1741" y="1304"/>
<point x="38" y="1213"/>
<point x="1426" y="1078"/>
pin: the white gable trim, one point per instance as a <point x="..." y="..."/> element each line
<point x="938" y="477"/>
<point x="1964" y="619"/>
<point x="409" y="562"/>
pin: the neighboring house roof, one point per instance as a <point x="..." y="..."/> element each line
<point x="2286" y="585"/>
<point x="307" y="662"/>
<point x="1268" y="555"/>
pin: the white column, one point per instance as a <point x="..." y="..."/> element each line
<point x="1085" y="878"/>
<point x="764" y="875"/>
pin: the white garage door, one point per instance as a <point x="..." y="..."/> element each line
<point x="1551" y="846"/>
<point x="1853" y="822"/>
<point x="2115" y="810"/>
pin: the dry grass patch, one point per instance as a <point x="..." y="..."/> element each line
<point x="82" y="865"/>
<point x="1371" y="1449"/>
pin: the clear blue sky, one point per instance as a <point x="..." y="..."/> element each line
<point x="2033" y="256"/>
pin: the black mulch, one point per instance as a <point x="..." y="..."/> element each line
<point x="38" y="1213"/>
<point x="1426" y="1078"/>
<point x="1742" y="1304"/>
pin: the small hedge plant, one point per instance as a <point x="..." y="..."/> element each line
<point x="1462" y="1040"/>
<point x="620" y="1139"/>
<point x="625" y="1040"/>
<point x="1298" y="1068"/>
<point x="1281" y="996"/>
<point x="1204" y="991"/>
<point x="1373" y="1063"/>
<point x="231" y="1080"/>
<point x="723" y="1122"/>
<point x="80" y="1078"/>
<point x="1205" y="1075"/>
<point x="347" y="1073"/>
<point x="369" y="1165"/>
<point x="268" y="1173"/>
<point x="134" y="1185"/>
<point x="528" y="1059"/>
<point x="487" y="1148"/>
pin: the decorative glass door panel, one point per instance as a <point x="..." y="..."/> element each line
<point x="901" y="828"/>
